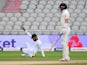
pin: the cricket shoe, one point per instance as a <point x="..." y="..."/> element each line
<point x="24" y="54"/>
<point x="43" y="56"/>
<point x="64" y="59"/>
<point x="33" y="55"/>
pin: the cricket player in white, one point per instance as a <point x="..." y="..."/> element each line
<point x="65" y="30"/>
<point x="32" y="51"/>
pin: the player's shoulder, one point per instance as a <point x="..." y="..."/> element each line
<point x="66" y="11"/>
<point x="39" y="41"/>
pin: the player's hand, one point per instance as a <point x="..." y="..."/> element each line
<point x="23" y="28"/>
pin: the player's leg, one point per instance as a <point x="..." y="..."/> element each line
<point x="65" y="45"/>
<point x="65" y="48"/>
<point x="26" y="52"/>
<point x="31" y="52"/>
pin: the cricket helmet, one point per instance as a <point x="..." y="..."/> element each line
<point x="34" y="35"/>
<point x="63" y="5"/>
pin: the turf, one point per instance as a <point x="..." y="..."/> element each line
<point x="16" y="56"/>
<point x="65" y="64"/>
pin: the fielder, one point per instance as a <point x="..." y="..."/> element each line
<point x="32" y="51"/>
<point x="65" y="30"/>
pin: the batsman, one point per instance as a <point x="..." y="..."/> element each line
<point x="65" y="20"/>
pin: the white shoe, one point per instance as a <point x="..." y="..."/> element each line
<point x="24" y="55"/>
<point x="43" y="56"/>
<point x="33" y="55"/>
<point x="64" y="59"/>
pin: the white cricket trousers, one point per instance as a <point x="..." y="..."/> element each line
<point x="65" y="44"/>
<point x="28" y="51"/>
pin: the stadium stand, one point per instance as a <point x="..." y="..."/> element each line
<point x="12" y="6"/>
<point x="2" y="4"/>
<point x="41" y="16"/>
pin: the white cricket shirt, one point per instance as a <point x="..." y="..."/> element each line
<point x="64" y="15"/>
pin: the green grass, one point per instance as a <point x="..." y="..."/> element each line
<point x="65" y="64"/>
<point x="16" y="56"/>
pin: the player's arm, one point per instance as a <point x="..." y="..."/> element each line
<point x="26" y="32"/>
<point x="40" y="47"/>
<point x="66" y="20"/>
<point x="66" y="23"/>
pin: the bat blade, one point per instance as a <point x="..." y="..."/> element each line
<point x="55" y="42"/>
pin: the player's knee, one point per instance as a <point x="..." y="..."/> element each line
<point x="24" y="50"/>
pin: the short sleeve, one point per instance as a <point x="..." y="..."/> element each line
<point x="67" y="15"/>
